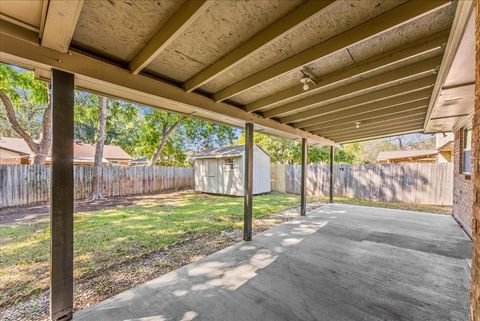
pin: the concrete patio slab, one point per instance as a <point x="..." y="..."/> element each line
<point x="340" y="263"/>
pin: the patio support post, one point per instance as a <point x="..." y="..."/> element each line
<point x="61" y="211"/>
<point x="331" y="174"/>
<point x="248" y="184"/>
<point x="303" y="191"/>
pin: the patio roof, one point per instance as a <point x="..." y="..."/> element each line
<point x="373" y="64"/>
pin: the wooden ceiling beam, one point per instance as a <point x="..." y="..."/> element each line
<point x="361" y="134"/>
<point x="379" y="107"/>
<point x="408" y="51"/>
<point x="395" y="75"/>
<point x="379" y="136"/>
<point x="392" y="121"/>
<point x="382" y="23"/>
<point x="171" y="30"/>
<point x="378" y="97"/>
<point x="369" y="121"/>
<point x="295" y="18"/>
<point x="60" y="22"/>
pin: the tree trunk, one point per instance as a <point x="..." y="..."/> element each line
<point x="97" y="167"/>
<point x="41" y="148"/>
<point x="165" y="133"/>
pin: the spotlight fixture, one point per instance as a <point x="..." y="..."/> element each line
<point x="357" y="124"/>
<point x="305" y="80"/>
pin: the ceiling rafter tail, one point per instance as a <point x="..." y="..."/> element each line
<point x="297" y="17"/>
<point x="60" y="23"/>
<point x="356" y="140"/>
<point x="174" y="27"/>
<point x="428" y="65"/>
<point x="384" y="121"/>
<point x="362" y="134"/>
<point x="410" y="50"/>
<point x="348" y="128"/>
<point x="380" y="98"/>
<point x="382" y="23"/>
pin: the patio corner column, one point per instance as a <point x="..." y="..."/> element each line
<point x="248" y="184"/>
<point x="303" y="191"/>
<point x="61" y="210"/>
<point x="332" y="156"/>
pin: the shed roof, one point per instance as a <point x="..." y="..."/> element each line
<point x="224" y="152"/>
<point x="381" y="64"/>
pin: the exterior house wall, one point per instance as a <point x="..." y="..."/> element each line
<point x="462" y="188"/>
<point x="475" y="294"/>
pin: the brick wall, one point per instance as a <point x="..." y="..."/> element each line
<point x="475" y="295"/>
<point x="462" y="188"/>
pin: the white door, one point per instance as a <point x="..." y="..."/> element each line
<point x="212" y="176"/>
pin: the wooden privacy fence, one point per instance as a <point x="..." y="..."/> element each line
<point x="30" y="184"/>
<point x="427" y="183"/>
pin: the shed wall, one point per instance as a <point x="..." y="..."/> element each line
<point x="212" y="175"/>
<point x="261" y="171"/>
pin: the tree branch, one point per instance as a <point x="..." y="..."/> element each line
<point x="12" y="119"/>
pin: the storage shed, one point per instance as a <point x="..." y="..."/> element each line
<point x="221" y="170"/>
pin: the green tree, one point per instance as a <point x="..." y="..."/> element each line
<point x="163" y="137"/>
<point x="27" y="109"/>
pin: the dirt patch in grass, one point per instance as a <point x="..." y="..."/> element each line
<point x="28" y="214"/>
<point x="106" y="282"/>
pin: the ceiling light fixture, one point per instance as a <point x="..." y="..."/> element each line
<point x="357" y="124"/>
<point x="305" y="80"/>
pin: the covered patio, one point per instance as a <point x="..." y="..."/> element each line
<point x="322" y="72"/>
<point x="340" y="262"/>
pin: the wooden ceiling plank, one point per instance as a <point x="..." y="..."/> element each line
<point x="173" y="28"/>
<point x="382" y="23"/>
<point x="295" y="18"/>
<point x="376" y="96"/>
<point x="418" y="68"/>
<point x="408" y="51"/>
<point x="370" y="137"/>
<point x="367" y="121"/>
<point x="62" y="17"/>
<point x="349" y="127"/>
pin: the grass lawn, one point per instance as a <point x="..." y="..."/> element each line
<point x="109" y="235"/>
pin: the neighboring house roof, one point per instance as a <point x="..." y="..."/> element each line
<point x="223" y="152"/>
<point x="81" y="151"/>
<point x="15" y="145"/>
<point x="401" y="154"/>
